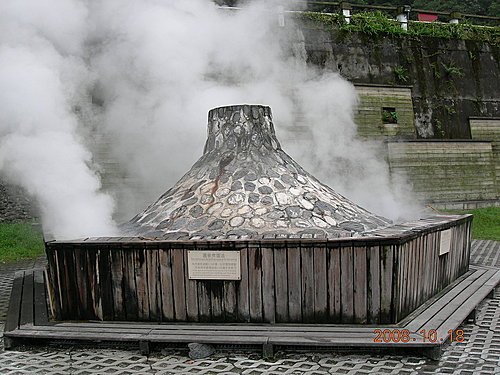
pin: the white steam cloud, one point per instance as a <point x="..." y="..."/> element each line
<point x="128" y="84"/>
<point x="42" y="77"/>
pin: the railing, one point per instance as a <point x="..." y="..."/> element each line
<point x="401" y="13"/>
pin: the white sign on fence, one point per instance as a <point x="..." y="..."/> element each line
<point x="445" y="244"/>
<point x="214" y="265"/>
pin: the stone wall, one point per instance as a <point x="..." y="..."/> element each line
<point x="451" y="79"/>
<point x="488" y="129"/>
<point x="15" y="205"/>
<point x="369" y="112"/>
<point x="450" y="171"/>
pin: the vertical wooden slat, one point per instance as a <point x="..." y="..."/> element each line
<point x="105" y="282"/>
<point x="216" y="298"/>
<point x="405" y="250"/>
<point x="386" y="268"/>
<point x="360" y="285"/>
<point x="117" y="284"/>
<point x="70" y="307"/>
<point x="294" y="284"/>
<point x="167" y="293"/>
<point x="52" y="285"/>
<point x="191" y="293"/>
<point x="281" y="284"/>
<point x="320" y="285"/>
<point x="334" y="301"/>
<point x="154" y="290"/>
<point x="204" y="305"/>
<point x="307" y="280"/>
<point x="268" y="296"/>
<point x="230" y="301"/>
<point x="178" y="284"/>
<point x="347" y="284"/>
<point x="243" y="294"/>
<point x="374" y="284"/>
<point x="129" y="287"/>
<point x="255" y="284"/>
<point x="93" y="279"/>
<point x="81" y="281"/>
<point x="415" y="266"/>
<point x="141" y="282"/>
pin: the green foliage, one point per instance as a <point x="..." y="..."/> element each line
<point x="389" y="117"/>
<point x="18" y="241"/>
<point x="401" y="74"/>
<point x="451" y="70"/>
<point x="378" y="23"/>
<point x="438" y="128"/>
<point x="486" y="223"/>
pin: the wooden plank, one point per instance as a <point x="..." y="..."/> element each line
<point x="178" y="284"/>
<point x="386" y="273"/>
<point x="255" y="284"/>
<point x="82" y="284"/>
<point x="153" y="277"/>
<point x="105" y="283"/>
<point x="320" y="285"/>
<point x="129" y="287"/>
<point x="216" y="299"/>
<point x="117" y="285"/>
<point x="243" y="289"/>
<point x="141" y="282"/>
<point x="93" y="279"/>
<point x="462" y="306"/>
<point x="440" y="303"/>
<point x="26" y="313"/>
<point x="373" y="284"/>
<point x="204" y="304"/>
<point x="71" y="289"/>
<point x="360" y="285"/>
<point x="15" y="301"/>
<point x="230" y="301"/>
<point x="39" y="299"/>
<point x="191" y="294"/>
<point x="347" y="284"/>
<point x="415" y="267"/>
<point x="167" y="293"/>
<point x="281" y="284"/>
<point x="52" y="284"/>
<point x="334" y="295"/>
<point x="294" y="284"/>
<point x="307" y="280"/>
<point x="268" y="296"/>
<point x="454" y="301"/>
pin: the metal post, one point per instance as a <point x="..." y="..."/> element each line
<point x="455" y="17"/>
<point x="281" y="16"/>
<point x="403" y="16"/>
<point x="346" y="11"/>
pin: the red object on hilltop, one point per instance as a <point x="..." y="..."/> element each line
<point x="427" y="17"/>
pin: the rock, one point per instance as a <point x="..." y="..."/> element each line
<point x="199" y="351"/>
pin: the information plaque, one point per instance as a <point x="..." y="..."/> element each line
<point x="214" y="265"/>
<point x="445" y="243"/>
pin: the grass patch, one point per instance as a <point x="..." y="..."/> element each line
<point x="486" y="223"/>
<point x="19" y="241"/>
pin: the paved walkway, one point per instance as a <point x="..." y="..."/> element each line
<point x="478" y="354"/>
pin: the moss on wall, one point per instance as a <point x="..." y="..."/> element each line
<point x="454" y="72"/>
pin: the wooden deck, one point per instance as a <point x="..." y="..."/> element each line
<point x="28" y="321"/>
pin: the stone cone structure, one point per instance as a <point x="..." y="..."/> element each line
<point x="246" y="186"/>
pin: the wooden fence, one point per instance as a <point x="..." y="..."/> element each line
<point x="378" y="279"/>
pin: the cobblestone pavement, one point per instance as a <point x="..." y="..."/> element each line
<point x="478" y="354"/>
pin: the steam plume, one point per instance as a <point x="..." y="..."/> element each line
<point x="123" y="87"/>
